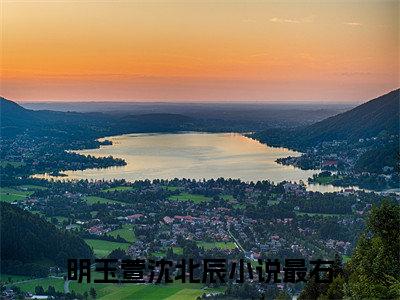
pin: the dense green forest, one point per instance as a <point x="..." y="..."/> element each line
<point x="30" y="245"/>
<point x="375" y="159"/>
<point x="373" y="271"/>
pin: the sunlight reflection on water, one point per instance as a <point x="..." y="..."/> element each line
<point x="194" y="156"/>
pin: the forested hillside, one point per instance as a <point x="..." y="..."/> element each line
<point x="373" y="271"/>
<point x="362" y="144"/>
<point x="364" y="121"/>
<point x="30" y="245"/>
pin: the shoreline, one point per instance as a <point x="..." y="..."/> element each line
<point x="67" y="177"/>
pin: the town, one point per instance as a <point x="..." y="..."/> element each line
<point x="219" y="217"/>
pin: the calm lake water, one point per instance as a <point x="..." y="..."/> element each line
<point x="194" y="156"/>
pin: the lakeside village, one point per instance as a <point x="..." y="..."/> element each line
<point x="352" y="164"/>
<point x="345" y="164"/>
<point x="193" y="219"/>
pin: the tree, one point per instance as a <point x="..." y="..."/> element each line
<point x="312" y="290"/>
<point x="93" y="293"/>
<point x="375" y="264"/>
<point x="335" y="289"/>
<point x="374" y="267"/>
<point x="51" y="291"/>
<point x="39" y="290"/>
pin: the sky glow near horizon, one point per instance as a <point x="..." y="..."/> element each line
<point x="198" y="50"/>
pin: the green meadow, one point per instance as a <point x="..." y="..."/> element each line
<point x="324" y="179"/>
<point x="345" y="258"/>
<point x="158" y="254"/>
<point x="119" y="188"/>
<point x="95" y="200"/>
<point x="30" y="284"/>
<point x="176" y="291"/>
<point x="102" y="248"/>
<point x="11" y="194"/>
<point x="239" y="206"/>
<point x="31" y="187"/>
<point x="218" y="245"/>
<point x="196" y="198"/>
<point x="60" y="219"/>
<point x="13" y="278"/>
<point x="126" y="232"/>
<point x="177" y="250"/>
<point x="227" y="197"/>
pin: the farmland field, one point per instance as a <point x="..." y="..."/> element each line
<point x="95" y="200"/>
<point x="31" y="187"/>
<point x="14" y="278"/>
<point x="102" y="248"/>
<point x="219" y="245"/>
<point x="239" y="206"/>
<point x="126" y="232"/>
<point x="11" y="195"/>
<point x="227" y="197"/>
<point x="29" y="285"/>
<point x="187" y="291"/>
<point x="196" y="198"/>
<point x="60" y="219"/>
<point x="177" y="250"/>
<point x="119" y="188"/>
<point x="165" y="291"/>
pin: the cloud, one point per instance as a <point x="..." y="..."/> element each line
<point x="352" y="23"/>
<point x="309" y="19"/>
<point x="279" y="20"/>
<point x="260" y="54"/>
<point x="355" y="73"/>
<point x="249" y="20"/>
<point x="293" y="21"/>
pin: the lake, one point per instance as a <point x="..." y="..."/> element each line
<point x="194" y="156"/>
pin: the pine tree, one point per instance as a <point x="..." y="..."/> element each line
<point x="375" y="264"/>
<point x="39" y="290"/>
<point x="93" y="293"/>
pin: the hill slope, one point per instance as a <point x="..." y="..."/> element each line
<point x="16" y="119"/>
<point x="14" y="114"/>
<point x="28" y="242"/>
<point x="363" y="121"/>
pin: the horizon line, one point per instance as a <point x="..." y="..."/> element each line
<point x="192" y="101"/>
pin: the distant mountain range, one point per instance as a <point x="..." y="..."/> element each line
<point x="364" y="121"/>
<point x="121" y="118"/>
<point x="16" y="119"/>
<point x="13" y="114"/>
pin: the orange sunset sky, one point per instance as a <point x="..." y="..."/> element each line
<point x="198" y="50"/>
